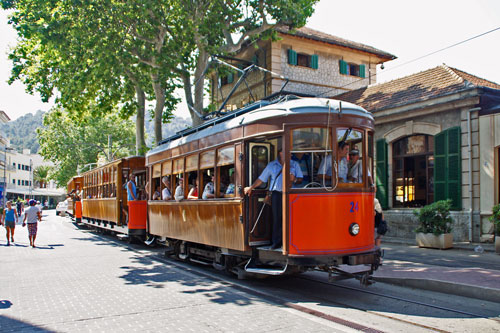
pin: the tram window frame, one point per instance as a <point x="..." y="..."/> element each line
<point x="225" y="162"/>
<point x="191" y="172"/>
<point x="156" y="176"/>
<point x="317" y="153"/>
<point x="353" y="143"/>
<point x="178" y="172"/>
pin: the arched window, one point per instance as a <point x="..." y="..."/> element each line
<point x="413" y="171"/>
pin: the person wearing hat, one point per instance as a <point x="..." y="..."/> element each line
<point x="355" y="174"/>
<point x="179" y="190"/>
<point x="32" y="214"/>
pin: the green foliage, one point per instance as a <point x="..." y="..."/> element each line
<point x="22" y="131"/>
<point x="71" y="144"/>
<point x="495" y="218"/>
<point x="41" y="175"/>
<point x="435" y="218"/>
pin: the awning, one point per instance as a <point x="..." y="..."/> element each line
<point x="490" y="101"/>
<point x="38" y="192"/>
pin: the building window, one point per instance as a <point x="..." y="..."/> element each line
<point x="18" y="182"/>
<point x="413" y="171"/>
<point x="19" y="167"/>
<point x="302" y="60"/>
<point x="14" y="164"/>
<point x="351" y="69"/>
<point x="14" y="181"/>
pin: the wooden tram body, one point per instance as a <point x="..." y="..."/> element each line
<point x="74" y="187"/>
<point x="105" y="204"/>
<point x="231" y="230"/>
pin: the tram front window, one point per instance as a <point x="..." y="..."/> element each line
<point x="311" y="149"/>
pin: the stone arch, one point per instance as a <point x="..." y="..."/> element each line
<point x="410" y="128"/>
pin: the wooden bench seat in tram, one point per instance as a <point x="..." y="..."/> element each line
<point x="209" y="222"/>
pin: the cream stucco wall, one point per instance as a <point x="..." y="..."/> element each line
<point x="489" y="137"/>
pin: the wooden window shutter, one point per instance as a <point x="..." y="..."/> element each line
<point x="382" y="176"/>
<point x="362" y="71"/>
<point x="292" y="57"/>
<point x="343" y="67"/>
<point x="314" y="61"/>
<point x="448" y="167"/>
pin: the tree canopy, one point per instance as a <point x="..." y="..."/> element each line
<point x="107" y="55"/>
<point x="71" y="145"/>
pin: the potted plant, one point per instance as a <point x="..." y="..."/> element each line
<point x="495" y="219"/>
<point x="435" y="225"/>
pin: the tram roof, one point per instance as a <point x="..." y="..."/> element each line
<point x="259" y="111"/>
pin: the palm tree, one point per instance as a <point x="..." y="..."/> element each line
<point x="40" y="175"/>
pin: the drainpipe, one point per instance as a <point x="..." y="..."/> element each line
<point x="469" y="143"/>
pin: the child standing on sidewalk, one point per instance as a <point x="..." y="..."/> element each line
<point x="9" y="219"/>
<point x="32" y="214"/>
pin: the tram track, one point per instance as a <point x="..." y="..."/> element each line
<point x="267" y="292"/>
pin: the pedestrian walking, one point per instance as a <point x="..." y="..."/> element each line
<point x="9" y="219"/>
<point x="20" y="207"/>
<point x="32" y="214"/>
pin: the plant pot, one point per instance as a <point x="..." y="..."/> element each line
<point x="497" y="244"/>
<point x="443" y="241"/>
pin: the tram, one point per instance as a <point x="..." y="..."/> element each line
<point x="104" y="197"/>
<point x="327" y="219"/>
<point x="74" y="187"/>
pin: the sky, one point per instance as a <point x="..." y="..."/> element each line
<point x="406" y="29"/>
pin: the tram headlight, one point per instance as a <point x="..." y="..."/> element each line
<point x="354" y="229"/>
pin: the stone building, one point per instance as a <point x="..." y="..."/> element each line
<point x="313" y="62"/>
<point x="437" y="136"/>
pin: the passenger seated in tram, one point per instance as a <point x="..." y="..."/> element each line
<point x="193" y="192"/>
<point x="179" y="190"/>
<point x="355" y="174"/>
<point x="325" y="168"/>
<point x="230" y="190"/>
<point x="166" y="194"/>
<point x="209" y="190"/>
<point x="157" y="193"/>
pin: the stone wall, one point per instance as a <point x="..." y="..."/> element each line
<point x="402" y="224"/>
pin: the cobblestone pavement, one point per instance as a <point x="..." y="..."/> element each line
<point x="76" y="281"/>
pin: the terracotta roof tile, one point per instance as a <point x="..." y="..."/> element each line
<point x="334" y="40"/>
<point x="417" y="87"/>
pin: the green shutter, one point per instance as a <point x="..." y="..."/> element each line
<point x="230" y="78"/>
<point x="382" y="177"/>
<point x="255" y="59"/>
<point x="447" y="167"/>
<point x="292" y="57"/>
<point x="314" y="61"/>
<point x="343" y="67"/>
<point x="361" y="70"/>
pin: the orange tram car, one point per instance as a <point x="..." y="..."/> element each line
<point x="74" y="208"/>
<point x="327" y="218"/>
<point x="104" y="197"/>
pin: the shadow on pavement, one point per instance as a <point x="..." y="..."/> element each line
<point x="14" y="325"/>
<point x="156" y="274"/>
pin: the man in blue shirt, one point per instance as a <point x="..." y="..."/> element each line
<point x="273" y="171"/>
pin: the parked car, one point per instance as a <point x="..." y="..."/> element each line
<point x="62" y="207"/>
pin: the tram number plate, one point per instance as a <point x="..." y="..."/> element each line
<point x="354" y="207"/>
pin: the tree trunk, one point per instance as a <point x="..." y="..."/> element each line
<point x="199" y="84"/>
<point x="160" y="104"/>
<point x="140" y="141"/>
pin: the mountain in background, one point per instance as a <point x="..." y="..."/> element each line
<point x="22" y="131"/>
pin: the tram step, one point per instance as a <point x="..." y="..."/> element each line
<point x="122" y="237"/>
<point x="253" y="266"/>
